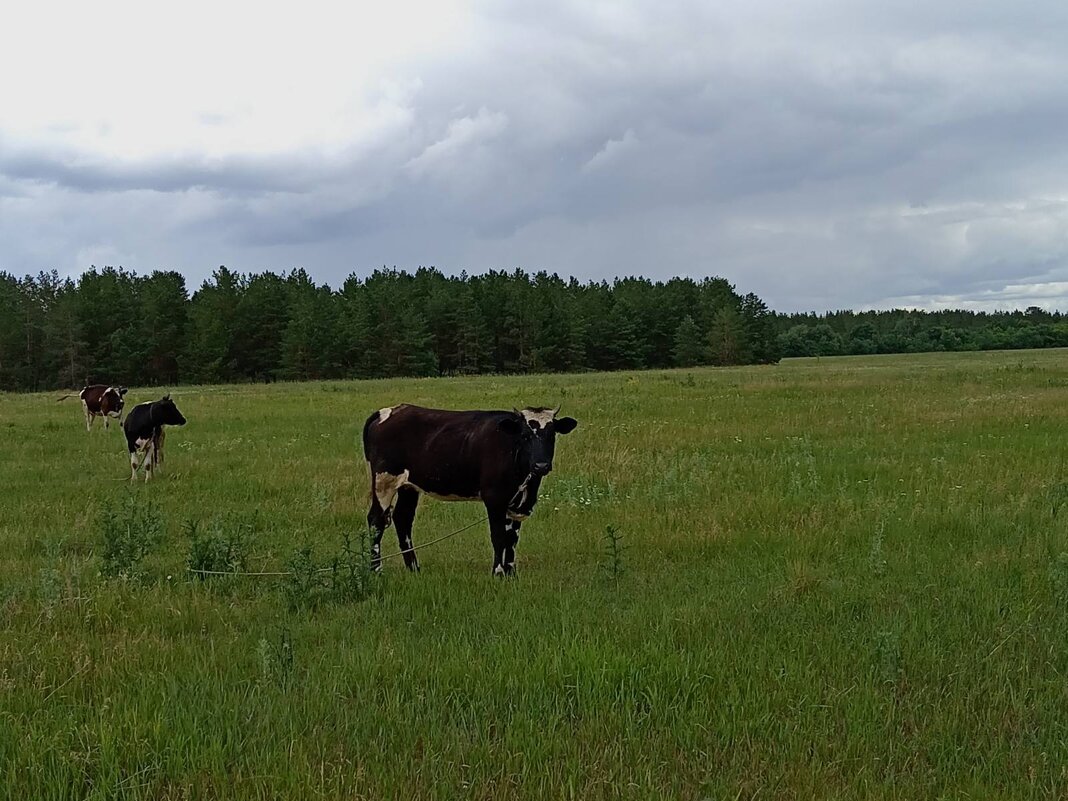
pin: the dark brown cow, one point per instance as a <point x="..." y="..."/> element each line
<point x="498" y="458"/>
<point x="101" y="400"/>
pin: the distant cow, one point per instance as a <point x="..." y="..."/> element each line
<point x="144" y="432"/>
<point x="100" y="400"/>
<point x="498" y="458"/>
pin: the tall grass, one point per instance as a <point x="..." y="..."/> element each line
<point x="843" y="579"/>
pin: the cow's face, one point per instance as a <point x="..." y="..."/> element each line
<point x="164" y="412"/>
<point x="537" y="430"/>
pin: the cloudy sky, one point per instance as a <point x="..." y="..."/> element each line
<point x="822" y="153"/>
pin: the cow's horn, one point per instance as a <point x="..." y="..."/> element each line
<point x="556" y="411"/>
<point x="517" y="411"/>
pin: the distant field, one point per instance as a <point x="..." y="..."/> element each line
<point x="843" y="578"/>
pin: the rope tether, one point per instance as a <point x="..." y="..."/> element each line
<point x="328" y="569"/>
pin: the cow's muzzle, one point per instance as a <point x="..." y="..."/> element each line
<point x="542" y="468"/>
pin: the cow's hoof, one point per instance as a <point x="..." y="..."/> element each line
<point x="498" y="570"/>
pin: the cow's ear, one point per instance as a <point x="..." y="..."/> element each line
<point x="565" y="425"/>
<point x="512" y="426"/>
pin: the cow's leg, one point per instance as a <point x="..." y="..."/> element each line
<point x="377" y="521"/>
<point x="384" y="488"/>
<point x="498" y="536"/>
<point x="511" y="538"/>
<point x="138" y="454"/>
<point x="150" y="458"/>
<point x="403" y="517"/>
<point x="88" y="417"/>
<point x="157" y="448"/>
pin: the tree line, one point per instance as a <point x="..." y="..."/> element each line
<point x="908" y="331"/>
<point x="111" y="325"/>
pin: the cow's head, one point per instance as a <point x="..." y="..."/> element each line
<point x="164" y="412"/>
<point x="536" y="431"/>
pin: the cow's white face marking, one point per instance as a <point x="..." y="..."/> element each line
<point x="543" y="418"/>
<point x="383" y="414"/>
<point x="386" y="487"/>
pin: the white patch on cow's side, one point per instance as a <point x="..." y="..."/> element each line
<point x="386" y="487"/>
<point x="543" y="418"/>
<point x="383" y="414"/>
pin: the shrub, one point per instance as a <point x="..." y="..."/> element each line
<point x="128" y="532"/>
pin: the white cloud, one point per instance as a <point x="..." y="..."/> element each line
<point x="613" y="150"/>
<point x="1052" y="296"/>
<point x="462" y="135"/>
<point x="128" y="81"/>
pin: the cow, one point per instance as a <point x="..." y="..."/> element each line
<point x="100" y="400"/>
<point x="144" y="431"/>
<point x="499" y="458"/>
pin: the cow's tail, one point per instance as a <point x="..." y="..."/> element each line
<point x="72" y="394"/>
<point x="367" y="434"/>
<point x="378" y="519"/>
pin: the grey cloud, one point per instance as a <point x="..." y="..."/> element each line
<point x="824" y="155"/>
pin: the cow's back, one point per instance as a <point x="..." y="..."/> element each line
<point x="91" y="396"/>
<point x="441" y="449"/>
<point x="138" y="423"/>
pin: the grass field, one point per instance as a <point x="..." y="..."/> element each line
<point x="843" y="578"/>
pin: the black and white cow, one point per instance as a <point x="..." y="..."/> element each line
<point x="498" y="458"/>
<point x="100" y="400"/>
<point x="144" y="431"/>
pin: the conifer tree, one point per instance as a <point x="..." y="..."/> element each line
<point x="689" y="350"/>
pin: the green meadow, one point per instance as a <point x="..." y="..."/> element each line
<point x="837" y="578"/>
